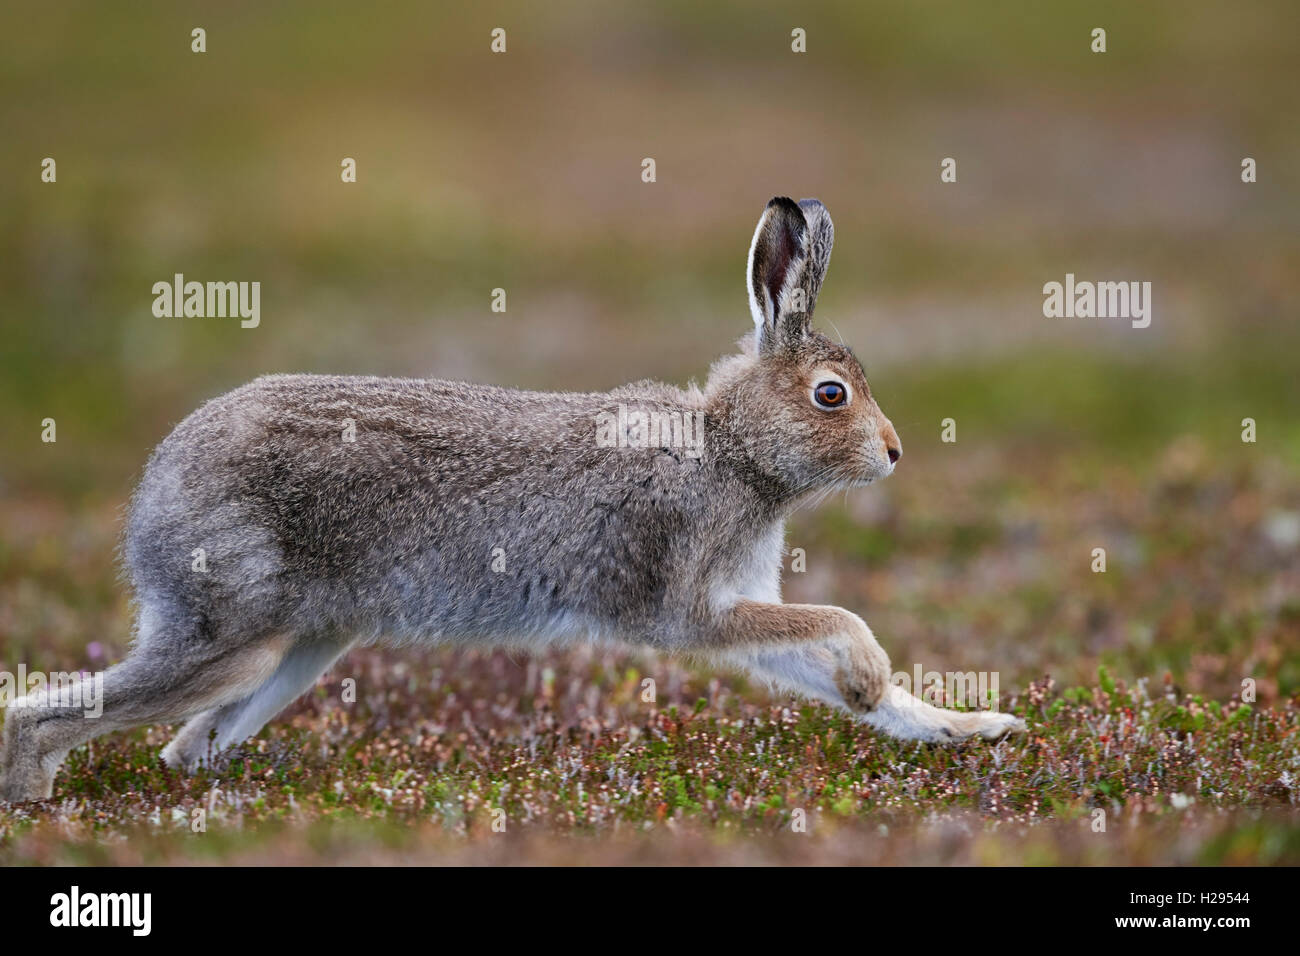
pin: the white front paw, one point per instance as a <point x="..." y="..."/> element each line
<point x="986" y="724"/>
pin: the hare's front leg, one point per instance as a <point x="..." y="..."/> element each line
<point x="830" y="654"/>
<point x="907" y="717"/>
<point x="822" y="651"/>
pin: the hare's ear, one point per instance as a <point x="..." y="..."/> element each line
<point x="821" y="236"/>
<point x="780" y="297"/>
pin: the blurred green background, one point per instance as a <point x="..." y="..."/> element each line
<point x="522" y="171"/>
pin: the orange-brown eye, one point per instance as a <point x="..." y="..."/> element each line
<point x="830" y="394"/>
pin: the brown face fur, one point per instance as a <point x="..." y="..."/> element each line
<point x="807" y="447"/>
<point x="853" y="439"/>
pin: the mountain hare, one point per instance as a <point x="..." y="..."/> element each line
<point x="286" y="521"/>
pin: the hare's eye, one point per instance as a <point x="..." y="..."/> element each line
<point x="830" y="394"/>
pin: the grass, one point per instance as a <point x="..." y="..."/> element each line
<point x="561" y="761"/>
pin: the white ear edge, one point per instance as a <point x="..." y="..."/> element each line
<point x="756" y="308"/>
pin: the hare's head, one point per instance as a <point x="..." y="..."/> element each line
<point x="798" y="403"/>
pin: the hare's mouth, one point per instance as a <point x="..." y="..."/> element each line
<point x="840" y="480"/>
<point x="854" y="481"/>
<point x="812" y="496"/>
<point x="867" y="475"/>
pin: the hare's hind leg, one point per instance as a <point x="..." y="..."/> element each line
<point x="215" y="730"/>
<point x="159" y="682"/>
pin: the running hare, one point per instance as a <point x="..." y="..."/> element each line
<point x="284" y="522"/>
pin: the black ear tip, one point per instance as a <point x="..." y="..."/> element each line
<point x="783" y="202"/>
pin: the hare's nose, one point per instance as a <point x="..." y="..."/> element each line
<point x="893" y="446"/>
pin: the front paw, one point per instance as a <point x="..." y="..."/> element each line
<point x="987" y="724"/>
<point x="999" y="725"/>
<point x="862" y="677"/>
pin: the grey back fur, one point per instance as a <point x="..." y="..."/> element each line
<point x="459" y="511"/>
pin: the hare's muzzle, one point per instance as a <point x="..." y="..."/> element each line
<point x="893" y="447"/>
